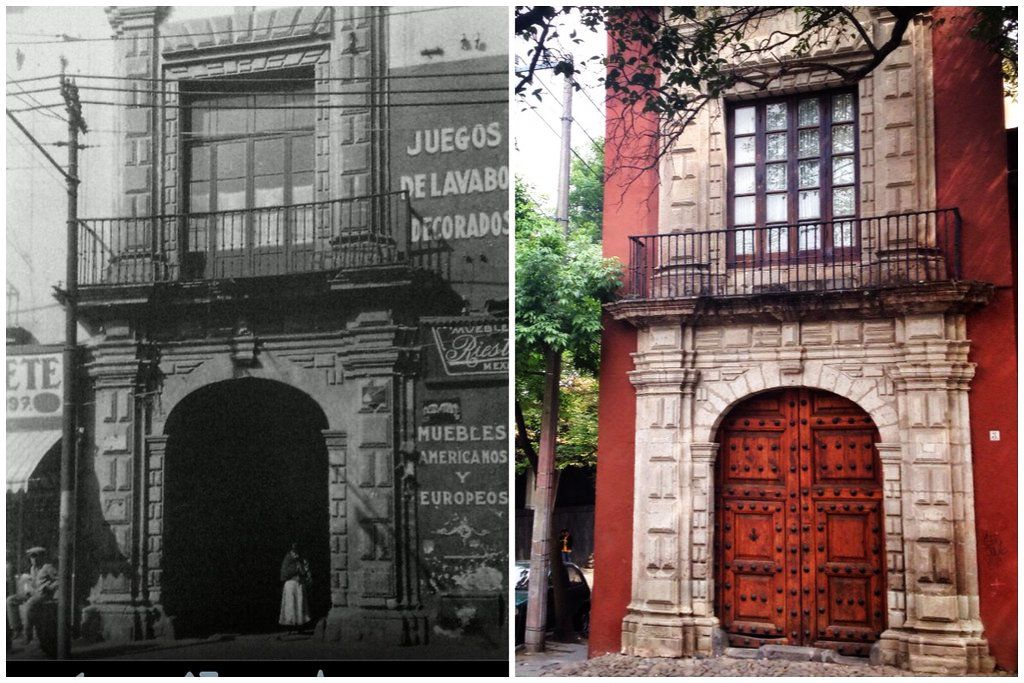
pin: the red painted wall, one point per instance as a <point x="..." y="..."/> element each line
<point x="970" y="141"/>
<point x="630" y="208"/>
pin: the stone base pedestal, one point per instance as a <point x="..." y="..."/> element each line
<point x="935" y="653"/>
<point x="648" y="634"/>
<point x="387" y="627"/>
<point x="119" y="622"/>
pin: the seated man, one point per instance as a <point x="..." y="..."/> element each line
<point x="36" y="589"/>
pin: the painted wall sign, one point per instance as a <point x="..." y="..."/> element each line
<point x="34" y="385"/>
<point x="472" y="348"/>
<point x="442" y="411"/>
<point x="453" y="162"/>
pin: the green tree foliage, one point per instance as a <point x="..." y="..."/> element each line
<point x="586" y="190"/>
<point x="561" y="283"/>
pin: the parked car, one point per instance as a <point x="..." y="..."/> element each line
<point x="578" y="596"/>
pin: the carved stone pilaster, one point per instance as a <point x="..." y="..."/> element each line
<point x="111" y="499"/>
<point x="375" y="579"/>
<point x="669" y="612"/>
<point x="942" y="631"/>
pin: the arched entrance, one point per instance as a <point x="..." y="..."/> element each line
<point x="245" y="475"/>
<point x="799" y="541"/>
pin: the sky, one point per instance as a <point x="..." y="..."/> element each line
<point x="536" y="146"/>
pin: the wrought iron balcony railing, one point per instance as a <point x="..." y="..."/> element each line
<point x="337" y="235"/>
<point x="823" y="256"/>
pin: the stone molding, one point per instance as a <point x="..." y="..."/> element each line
<point x="910" y="374"/>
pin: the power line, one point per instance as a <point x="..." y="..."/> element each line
<point x="558" y="135"/>
<point x="33" y="100"/>
<point x="245" y="93"/>
<point x="258" y="79"/>
<point x="42" y="149"/>
<point x="65" y="38"/>
<point x="576" y="121"/>
<point x="204" y="107"/>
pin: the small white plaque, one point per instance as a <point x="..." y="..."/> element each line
<point x="993" y="435"/>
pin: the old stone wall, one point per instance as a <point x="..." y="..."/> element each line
<point x="910" y="374"/>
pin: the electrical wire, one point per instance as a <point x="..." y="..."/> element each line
<point x="574" y="120"/>
<point x="389" y="105"/>
<point x="66" y="39"/>
<point x="559" y="136"/>
<point x="247" y="93"/>
<point x="258" y="79"/>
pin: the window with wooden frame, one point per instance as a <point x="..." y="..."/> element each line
<point x="793" y="177"/>
<point x="248" y="150"/>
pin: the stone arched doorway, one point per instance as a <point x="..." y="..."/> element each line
<point x="245" y="474"/>
<point x="799" y="538"/>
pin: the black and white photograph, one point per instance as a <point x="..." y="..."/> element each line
<point x="257" y="337"/>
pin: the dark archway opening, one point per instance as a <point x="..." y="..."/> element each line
<point x="245" y="475"/>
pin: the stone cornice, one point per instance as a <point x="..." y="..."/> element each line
<point x="939" y="297"/>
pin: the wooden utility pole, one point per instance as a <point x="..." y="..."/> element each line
<point x="68" y="461"/>
<point x="541" y="549"/>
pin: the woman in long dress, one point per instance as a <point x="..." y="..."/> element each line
<point x="294" y="599"/>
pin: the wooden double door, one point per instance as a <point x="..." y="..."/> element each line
<point x="799" y="541"/>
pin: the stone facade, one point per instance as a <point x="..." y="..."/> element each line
<point x="353" y="344"/>
<point x="901" y="356"/>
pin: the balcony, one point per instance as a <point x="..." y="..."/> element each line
<point x="877" y="264"/>
<point x="335" y="237"/>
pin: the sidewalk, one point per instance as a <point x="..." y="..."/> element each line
<point x="554" y="657"/>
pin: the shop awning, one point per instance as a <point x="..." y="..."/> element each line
<point x="24" y="451"/>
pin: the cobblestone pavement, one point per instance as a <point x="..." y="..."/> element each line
<point x="621" y="665"/>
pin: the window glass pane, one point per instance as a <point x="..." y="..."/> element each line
<point x="842" y="138"/>
<point x="302" y="187"/>
<point x="809" y="237"/>
<point x="777" y="208"/>
<point x="745" y="180"/>
<point x="199" y="163"/>
<point x="269" y="156"/>
<point x="809" y="143"/>
<point x="303" y="115"/>
<point x="744" y="242"/>
<point x="199" y="196"/>
<point x="842" y="107"/>
<point x="744" y="150"/>
<point x="775" y="177"/>
<point x="807" y="112"/>
<point x="775" y="115"/>
<point x="842" y="234"/>
<point x="776" y="143"/>
<point x="745" y="121"/>
<point x="303" y="158"/>
<point x="231" y="160"/>
<point x="270" y="119"/>
<point x="231" y="194"/>
<point x="810" y="206"/>
<point x="842" y="201"/>
<point x="201" y="120"/>
<point x="842" y="170"/>
<point x="809" y="176"/>
<point x="743" y="211"/>
<point x="269" y="190"/>
<point x="778" y="240"/>
<point x="232" y="115"/>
